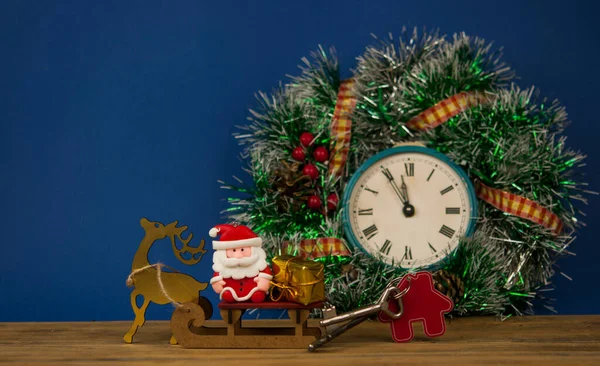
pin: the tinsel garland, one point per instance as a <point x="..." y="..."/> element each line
<point x="513" y="143"/>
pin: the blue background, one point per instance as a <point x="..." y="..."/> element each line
<point x="115" y="110"/>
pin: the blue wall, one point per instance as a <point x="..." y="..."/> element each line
<point x="115" y="110"/>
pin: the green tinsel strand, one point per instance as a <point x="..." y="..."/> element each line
<point x="278" y="123"/>
<point x="395" y="83"/>
<point x="482" y="267"/>
<point x="380" y="74"/>
<point x="319" y="81"/>
<point x="465" y="64"/>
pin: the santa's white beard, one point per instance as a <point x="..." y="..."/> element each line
<point x="238" y="268"/>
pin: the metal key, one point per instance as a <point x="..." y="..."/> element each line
<point x="329" y="312"/>
<point x="358" y="316"/>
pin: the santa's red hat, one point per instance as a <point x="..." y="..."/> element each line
<point x="234" y="236"/>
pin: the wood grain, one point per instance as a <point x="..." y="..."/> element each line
<point x="546" y="340"/>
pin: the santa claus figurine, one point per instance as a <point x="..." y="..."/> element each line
<point x="240" y="265"/>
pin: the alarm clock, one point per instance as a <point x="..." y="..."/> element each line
<point x="410" y="205"/>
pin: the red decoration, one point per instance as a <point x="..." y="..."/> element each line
<point x="306" y="139"/>
<point x="332" y="202"/>
<point x="314" y="202"/>
<point x="246" y="284"/>
<point x="321" y="154"/>
<point x="422" y="303"/>
<point x="311" y="171"/>
<point x="298" y="153"/>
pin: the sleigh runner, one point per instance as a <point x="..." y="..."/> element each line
<point x="189" y="328"/>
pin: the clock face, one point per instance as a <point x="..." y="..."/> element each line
<point x="410" y="205"/>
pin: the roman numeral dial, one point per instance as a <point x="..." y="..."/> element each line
<point x="409" y="168"/>
<point x="385" y="248"/>
<point x="446" y="231"/>
<point x="430" y="174"/>
<point x="375" y="207"/>
<point x="408" y="253"/>
<point x="371" y="190"/>
<point x="370" y="232"/>
<point x="446" y="190"/>
<point x="433" y="250"/>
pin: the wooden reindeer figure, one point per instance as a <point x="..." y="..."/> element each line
<point x="179" y="286"/>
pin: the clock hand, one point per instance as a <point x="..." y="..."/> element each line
<point x="399" y="192"/>
<point x="390" y="179"/>
<point x="408" y="210"/>
<point x="404" y="190"/>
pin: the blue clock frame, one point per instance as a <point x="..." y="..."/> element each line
<point x="349" y="234"/>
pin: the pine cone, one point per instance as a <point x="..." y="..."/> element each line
<point x="449" y="284"/>
<point x="290" y="187"/>
<point x="350" y="271"/>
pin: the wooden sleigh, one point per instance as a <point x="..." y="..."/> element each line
<point x="188" y="325"/>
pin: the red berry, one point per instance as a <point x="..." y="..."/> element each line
<point x="321" y="154"/>
<point x="332" y="202"/>
<point x="306" y="139"/>
<point x="314" y="202"/>
<point x="298" y="153"/>
<point x="311" y="171"/>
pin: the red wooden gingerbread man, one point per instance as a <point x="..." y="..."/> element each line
<point x="422" y="302"/>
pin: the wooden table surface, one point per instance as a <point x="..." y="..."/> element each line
<point x="540" y="340"/>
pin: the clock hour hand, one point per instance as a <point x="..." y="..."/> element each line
<point x="408" y="210"/>
<point x="392" y="182"/>
<point x="404" y="190"/>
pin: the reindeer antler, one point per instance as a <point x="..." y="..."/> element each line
<point x="194" y="251"/>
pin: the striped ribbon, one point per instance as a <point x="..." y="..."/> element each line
<point x="315" y="248"/>
<point x="341" y="127"/>
<point x="444" y="110"/>
<point x="520" y="206"/>
<point x="504" y="201"/>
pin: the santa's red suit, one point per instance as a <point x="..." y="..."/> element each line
<point x="242" y="289"/>
<point x="239" y="274"/>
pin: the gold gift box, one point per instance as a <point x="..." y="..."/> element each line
<point x="298" y="280"/>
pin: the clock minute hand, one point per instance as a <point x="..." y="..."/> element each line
<point x="391" y="180"/>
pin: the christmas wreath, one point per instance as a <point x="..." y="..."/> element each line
<point x="306" y="138"/>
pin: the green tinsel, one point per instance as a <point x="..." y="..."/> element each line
<point x="513" y="143"/>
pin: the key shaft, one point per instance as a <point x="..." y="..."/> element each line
<point x="391" y="293"/>
<point x="329" y="337"/>
<point x="362" y="312"/>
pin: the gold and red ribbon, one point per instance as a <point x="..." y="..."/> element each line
<point x="322" y="247"/>
<point x="444" y="110"/>
<point x="507" y="202"/>
<point x="520" y="206"/>
<point x="341" y="127"/>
